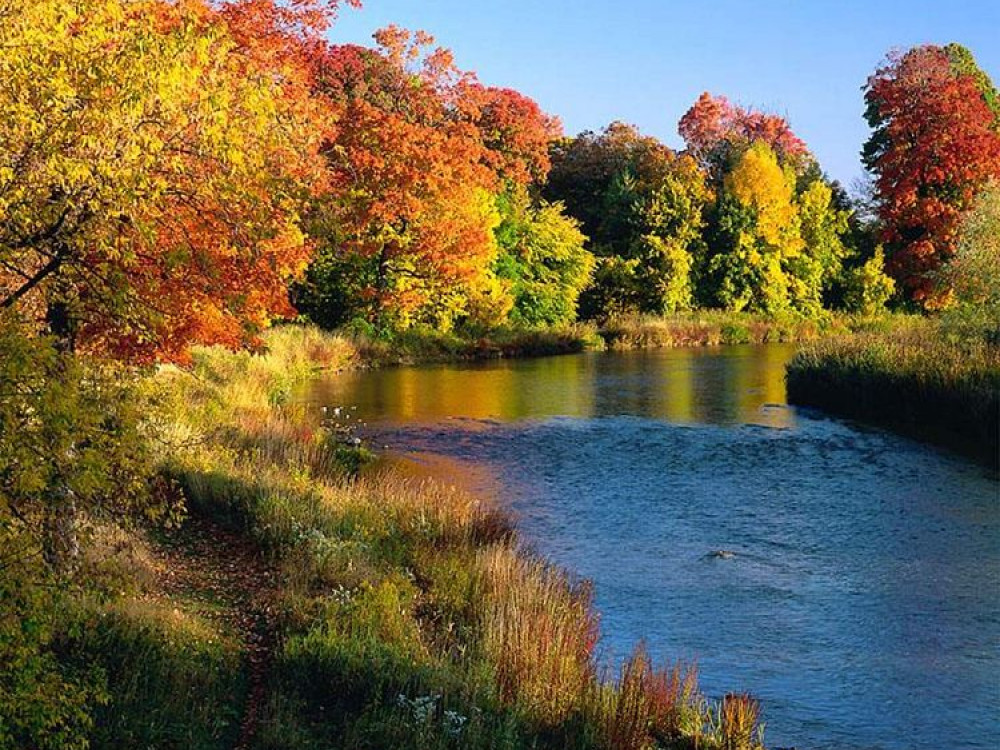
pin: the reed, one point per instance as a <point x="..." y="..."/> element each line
<point x="924" y="378"/>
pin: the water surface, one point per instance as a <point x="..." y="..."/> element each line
<point x="862" y="601"/>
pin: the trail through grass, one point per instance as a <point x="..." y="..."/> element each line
<point x="213" y="572"/>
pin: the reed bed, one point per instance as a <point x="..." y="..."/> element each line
<point x="716" y="327"/>
<point x="926" y="378"/>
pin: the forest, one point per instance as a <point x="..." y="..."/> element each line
<point x="202" y="203"/>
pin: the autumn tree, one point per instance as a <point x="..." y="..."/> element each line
<point x="935" y="143"/>
<point x="151" y="174"/>
<point x="716" y="131"/>
<point x="758" y="233"/>
<point x="515" y="132"/>
<point x="409" y="216"/>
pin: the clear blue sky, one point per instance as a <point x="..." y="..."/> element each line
<point x="646" y="61"/>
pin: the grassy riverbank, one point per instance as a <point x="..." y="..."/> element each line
<point x="398" y="614"/>
<point x="925" y="378"/>
<point x="697" y="328"/>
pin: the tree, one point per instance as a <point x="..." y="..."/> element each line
<point x="151" y="174"/>
<point x="715" y="131"/>
<point x="823" y="226"/>
<point x="409" y="203"/>
<point x="970" y="280"/>
<point x="757" y="234"/>
<point x="934" y="145"/>
<point x="544" y="260"/>
<point x="643" y="207"/>
<point x="867" y="288"/>
<point x="515" y="132"/>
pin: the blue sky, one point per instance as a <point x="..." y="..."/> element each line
<point x="646" y="61"/>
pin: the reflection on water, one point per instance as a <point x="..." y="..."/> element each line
<point x="715" y="386"/>
<point x="862" y="603"/>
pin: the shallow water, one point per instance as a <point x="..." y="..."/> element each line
<point x="862" y="601"/>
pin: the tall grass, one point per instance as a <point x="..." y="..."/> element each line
<point x="715" y="327"/>
<point x="926" y="378"/>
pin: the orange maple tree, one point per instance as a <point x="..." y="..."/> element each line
<point x="411" y="178"/>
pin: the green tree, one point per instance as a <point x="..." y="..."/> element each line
<point x="543" y="259"/>
<point x="867" y="288"/>
<point x="971" y="279"/>
<point x="823" y="226"/>
<point x="643" y="207"/>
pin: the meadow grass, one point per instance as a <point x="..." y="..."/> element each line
<point x="925" y="377"/>
<point x="718" y="327"/>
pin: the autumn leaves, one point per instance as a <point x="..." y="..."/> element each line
<point x="169" y="170"/>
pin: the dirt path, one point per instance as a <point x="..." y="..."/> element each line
<point x="221" y="575"/>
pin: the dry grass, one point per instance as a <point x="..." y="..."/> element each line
<point x="714" y="327"/>
<point x="924" y="377"/>
<point x="539" y="631"/>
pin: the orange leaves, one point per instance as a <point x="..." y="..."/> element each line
<point x="419" y="150"/>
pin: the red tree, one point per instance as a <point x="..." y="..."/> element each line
<point x="515" y="131"/>
<point x="713" y="124"/>
<point x="934" y="146"/>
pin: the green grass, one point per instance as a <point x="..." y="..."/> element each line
<point x="174" y="679"/>
<point x="926" y="378"/>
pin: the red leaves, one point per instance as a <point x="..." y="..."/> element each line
<point x="712" y="122"/>
<point x="934" y="146"/>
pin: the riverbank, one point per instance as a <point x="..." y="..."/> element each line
<point x="401" y="614"/>
<point x="690" y="329"/>
<point x="926" y="379"/>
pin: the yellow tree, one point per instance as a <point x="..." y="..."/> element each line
<point x="151" y="173"/>
<point x="759" y="233"/>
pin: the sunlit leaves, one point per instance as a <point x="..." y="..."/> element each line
<point x="934" y="145"/>
<point x="151" y="173"/>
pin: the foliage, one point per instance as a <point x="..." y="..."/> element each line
<point x="150" y="175"/>
<point x="867" y="288"/>
<point x="970" y="280"/>
<point x="933" y="147"/>
<point x="73" y="444"/>
<point x="642" y="207"/>
<point x="758" y="234"/>
<point x="714" y="129"/>
<point x="543" y="259"/>
<point x="407" y="229"/>
<point x="45" y="703"/>
<point x="823" y="227"/>
<point x="515" y="132"/>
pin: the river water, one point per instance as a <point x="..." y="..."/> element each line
<point x="861" y="603"/>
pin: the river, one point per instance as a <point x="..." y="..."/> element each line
<point x="861" y="603"/>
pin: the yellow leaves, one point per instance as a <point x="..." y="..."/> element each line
<point x="758" y="181"/>
<point x="158" y="137"/>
